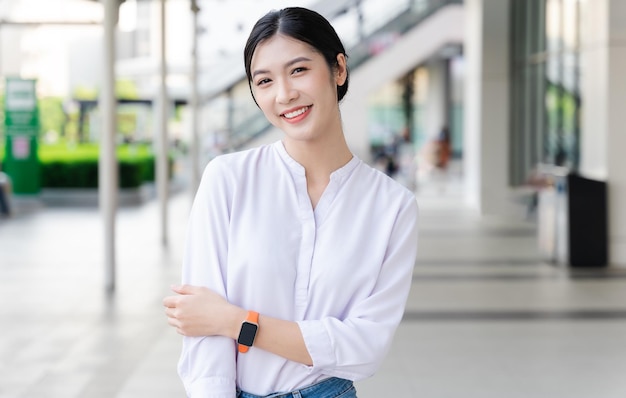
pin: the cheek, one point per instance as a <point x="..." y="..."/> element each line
<point x="263" y="99"/>
<point x="328" y="90"/>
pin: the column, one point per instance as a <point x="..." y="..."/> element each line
<point x="107" y="163"/>
<point x="603" y="85"/>
<point x="436" y="102"/>
<point x="193" y="102"/>
<point x="486" y="140"/>
<point x="162" y="178"/>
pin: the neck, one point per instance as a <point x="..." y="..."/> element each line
<point x="319" y="158"/>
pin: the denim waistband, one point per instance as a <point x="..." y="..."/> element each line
<point x="329" y="388"/>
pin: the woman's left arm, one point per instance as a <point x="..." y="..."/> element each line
<point x="198" y="311"/>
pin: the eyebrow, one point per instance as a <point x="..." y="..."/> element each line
<point x="288" y="64"/>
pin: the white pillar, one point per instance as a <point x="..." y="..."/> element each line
<point x="107" y="163"/>
<point x="486" y="131"/>
<point x="473" y="101"/>
<point x="436" y="98"/>
<point x="193" y="102"/>
<point x="162" y="144"/>
<point x="1" y="53"/>
<point x="603" y="141"/>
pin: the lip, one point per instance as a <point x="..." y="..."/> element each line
<point x="299" y="117"/>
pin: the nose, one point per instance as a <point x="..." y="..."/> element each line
<point x="285" y="92"/>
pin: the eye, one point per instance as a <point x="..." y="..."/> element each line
<point x="263" y="81"/>
<point x="298" y="70"/>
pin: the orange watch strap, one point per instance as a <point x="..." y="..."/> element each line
<point x="253" y="317"/>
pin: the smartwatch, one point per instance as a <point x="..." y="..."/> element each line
<point x="249" y="327"/>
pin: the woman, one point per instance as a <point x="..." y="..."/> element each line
<point x="299" y="256"/>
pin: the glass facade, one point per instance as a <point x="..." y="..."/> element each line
<point x="545" y="90"/>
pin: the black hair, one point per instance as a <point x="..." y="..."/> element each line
<point x="301" y="24"/>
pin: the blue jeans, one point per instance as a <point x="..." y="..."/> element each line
<point x="329" y="388"/>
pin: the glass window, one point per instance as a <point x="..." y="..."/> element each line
<point x="545" y="95"/>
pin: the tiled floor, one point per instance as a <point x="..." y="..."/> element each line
<point x="486" y="318"/>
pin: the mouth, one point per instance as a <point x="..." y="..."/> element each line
<point x="292" y="114"/>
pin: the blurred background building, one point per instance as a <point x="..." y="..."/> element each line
<point x="519" y="86"/>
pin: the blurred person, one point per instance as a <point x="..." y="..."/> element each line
<point x="5" y="193"/>
<point x="406" y="173"/>
<point x="298" y="256"/>
<point x="443" y="149"/>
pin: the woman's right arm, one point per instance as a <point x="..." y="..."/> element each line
<point x="207" y="364"/>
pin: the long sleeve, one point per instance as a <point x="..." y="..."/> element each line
<point x="354" y="347"/>
<point x="207" y="364"/>
<point x="341" y="270"/>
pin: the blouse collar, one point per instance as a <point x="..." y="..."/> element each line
<point x="295" y="167"/>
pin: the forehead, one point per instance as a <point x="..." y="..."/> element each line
<point x="279" y="49"/>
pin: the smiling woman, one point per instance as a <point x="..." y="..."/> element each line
<point x="299" y="256"/>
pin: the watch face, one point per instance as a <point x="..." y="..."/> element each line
<point x="247" y="334"/>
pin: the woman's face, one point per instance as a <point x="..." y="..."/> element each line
<point x="295" y="88"/>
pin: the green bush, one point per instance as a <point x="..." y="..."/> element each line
<point x="69" y="174"/>
<point x="76" y="166"/>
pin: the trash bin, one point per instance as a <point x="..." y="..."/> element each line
<point x="573" y="222"/>
<point x="588" y="226"/>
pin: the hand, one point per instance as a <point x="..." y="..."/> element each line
<point x="199" y="311"/>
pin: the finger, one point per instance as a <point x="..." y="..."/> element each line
<point x="170" y="301"/>
<point x="176" y="288"/>
<point x="187" y="289"/>
<point x="173" y="322"/>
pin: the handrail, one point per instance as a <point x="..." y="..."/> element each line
<point x="367" y="28"/>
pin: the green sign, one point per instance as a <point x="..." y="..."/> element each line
<point x="21" y="126"/>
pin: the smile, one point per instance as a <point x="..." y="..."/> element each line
<point x="296" y="113"/>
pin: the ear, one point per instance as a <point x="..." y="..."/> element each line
<point x="341" y="70"/>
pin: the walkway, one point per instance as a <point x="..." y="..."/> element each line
<point x="486" y="318"/>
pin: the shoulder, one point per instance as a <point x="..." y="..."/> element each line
<point x="383" y="195"/>
<point x="385" y="186"/>
<point x="225" y="172"/>
<point x="243" y="156"/>
<point x="234" y="164"/>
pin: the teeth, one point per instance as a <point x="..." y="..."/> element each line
<point x="299" y="112"/>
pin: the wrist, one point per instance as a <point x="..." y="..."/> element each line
<point x="239" y="316"/>
<point x="248" y="332"/>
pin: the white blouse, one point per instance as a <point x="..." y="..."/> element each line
<point x="342" y="271"/>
